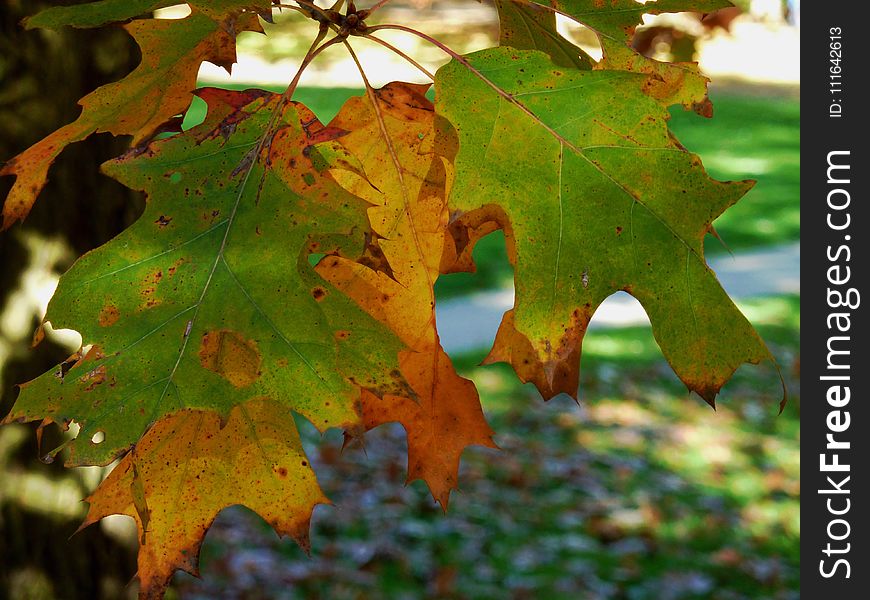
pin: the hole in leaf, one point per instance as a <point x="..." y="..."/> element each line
<point x="98" y="438"/>
<point x="177" y="11"/>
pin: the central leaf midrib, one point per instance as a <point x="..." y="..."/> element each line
<point x="217" y="259"/>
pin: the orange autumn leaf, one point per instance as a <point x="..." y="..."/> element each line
<point x="189" y="467"/>
<point x="142" y="103"/>
<point x="406" y="182"/>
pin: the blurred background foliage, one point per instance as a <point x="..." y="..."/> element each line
<point x="640" y="492"/>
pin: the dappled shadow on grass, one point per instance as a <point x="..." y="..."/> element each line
<point x="640" y="492"/>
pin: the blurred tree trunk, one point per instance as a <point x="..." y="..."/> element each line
<point x="44" y="73"/>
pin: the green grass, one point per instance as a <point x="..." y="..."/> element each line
<point x="750" y="137"/>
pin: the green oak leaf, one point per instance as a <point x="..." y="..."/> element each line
<point x="614" y="21"/>
<point x="598" y="198"/>
<point x="526" y="26"/>
<point x="209" y="300"/>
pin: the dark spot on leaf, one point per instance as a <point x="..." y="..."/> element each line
<point x="109" y="315"/>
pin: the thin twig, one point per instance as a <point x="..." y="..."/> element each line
<point x="309" y="57"/>
<point x="298" y="9"/>
<point x="379" y="4"/>
<point x="373" y="98"/>
<point x="311" y="6"/>
<point x="389" y="46"/>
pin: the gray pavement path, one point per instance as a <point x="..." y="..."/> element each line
<point x="470" y="322"/>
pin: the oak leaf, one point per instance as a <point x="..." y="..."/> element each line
<point x="602" y="198"/>
<point x="94" y="14"/>
<point x="209" y="299"/>
<point x="190" y="466"/>
<point x="406" y="181"/>
<point x="139" y="105"/>
<point x="614" y="22"/>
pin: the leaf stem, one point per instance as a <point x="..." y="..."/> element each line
<point x="373" y="98"/>
<point x="326" y="21"/>
<point x="419" y="34"/>
<point x="376" y="6"/>
<point x="461" y="60"/>
<point x="298" y="9"/>
<point x="312" y="8"/>
<point x="312" y="53"/>
<point x="389" y="46"/>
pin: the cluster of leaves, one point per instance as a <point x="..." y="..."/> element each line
<point x="286" y="266"/>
